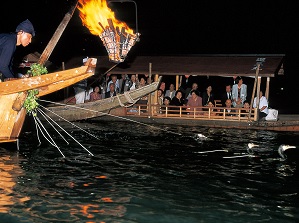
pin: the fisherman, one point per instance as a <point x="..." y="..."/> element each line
<point x="8" y="43"/>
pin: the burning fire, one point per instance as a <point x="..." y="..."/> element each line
<point x="116" y="36"/>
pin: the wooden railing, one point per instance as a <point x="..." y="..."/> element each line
<point x="199" y="113"/>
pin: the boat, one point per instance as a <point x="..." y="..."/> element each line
<point x="258" y="68"/>
<point x="13" y="94"/>
<point x="101" y="107"/>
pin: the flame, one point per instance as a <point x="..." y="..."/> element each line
<point x="94" y="15"/>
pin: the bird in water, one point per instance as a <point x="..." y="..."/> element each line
<point x="282" y="150"/>
<point x="202" y="136"/>
<point x="250" y="146"/>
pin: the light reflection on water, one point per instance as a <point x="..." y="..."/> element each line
<point x="143" y="174"/>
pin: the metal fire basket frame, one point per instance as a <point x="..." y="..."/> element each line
<point x="116" y="41"/>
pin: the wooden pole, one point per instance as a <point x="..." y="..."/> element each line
<point x="56" y="36"/>
<point x="176" y="82"/>
<point x="254" y="88"/>
<point x="150" y="95"/>
<point x="258" y="92"/>
<point x="267" y="88"/>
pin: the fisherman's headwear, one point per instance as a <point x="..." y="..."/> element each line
<point x="26" y="26"/>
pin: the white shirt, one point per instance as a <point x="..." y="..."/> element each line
<point x="116" y="85"/>
<point x="263" y="102"/>
<point x="133" y="86"/>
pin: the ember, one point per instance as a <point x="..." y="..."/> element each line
<point x="116" y="36"/>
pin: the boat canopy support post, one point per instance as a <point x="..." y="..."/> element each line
<point x="177" y="82"/>
<point x="150" y="95"/>
<point x="267" y="88"/>
<point x="254" y="87"/>
<point x="258" y="89"/>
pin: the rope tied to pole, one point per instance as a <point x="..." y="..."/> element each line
<point x="129" y="99"/>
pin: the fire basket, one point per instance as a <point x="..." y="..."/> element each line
<point x="116" y="40"/>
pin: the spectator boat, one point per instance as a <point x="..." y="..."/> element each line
<point x="257" y="68"/>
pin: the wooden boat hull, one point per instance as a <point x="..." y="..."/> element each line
<point x="12" y="119"/>
<point x="53" y="81"/>
<point x="285" y="122"/>
<point x="100" y="107"/>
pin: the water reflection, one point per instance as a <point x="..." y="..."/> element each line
<point x="141" y="175"/>
<point x="10" y="171"/>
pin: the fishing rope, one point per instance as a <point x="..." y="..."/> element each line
<point x="73" y="138"/>
<point x="44" y="115"/>
<point x="50" y="139"/>
<point x="115" y="116"/>
<point x="39" y="141"/>
<point x="43" y="131"/>
<point x="66" y="121"/>
<point x="129" y="98"/>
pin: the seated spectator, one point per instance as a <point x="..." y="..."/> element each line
<point x="188" y="91"/>
<point x="80" y="88"/>
<point x="111" y="91"/>
<point x="226" y="95"/>
<point x="211" y="110"/>
<point x="194" y="102"/>
<point x="144" y="99"/>
<point x="95" y="95"/>
<point x="229" y="111"/>
<point x="162" y="86"/>
<point x="132" y="84"/>
<point x="239" y="93"/>
<point x="207" y="96"/>
<point x="88" y="91"/>
<point x="159" y="103"/>
<point x="263" y="105"/>
<point x="122" y="82"/>
<point x="246" y="109"/>
<point x="166" y="102"/>
<point x="142" y="82"/>
<point x="171" y="91"/>
<point x="177" y="100"/>
<point x="115" y="81"/>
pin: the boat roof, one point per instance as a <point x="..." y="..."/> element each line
<point x="200" y="65"/>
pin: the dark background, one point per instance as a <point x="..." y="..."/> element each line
<point x="174" y="28"/>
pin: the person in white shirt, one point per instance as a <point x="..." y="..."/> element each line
<point x="263" y="105"/>
<point x="171" y="91"/>
<point x="115" y="81"/>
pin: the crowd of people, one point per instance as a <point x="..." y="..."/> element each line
<point x="109" y="88"/>
<point x="234" y="96"/>
<point x="187" y="95"/>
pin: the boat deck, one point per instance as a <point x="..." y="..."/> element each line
<point x="285" y="122"/>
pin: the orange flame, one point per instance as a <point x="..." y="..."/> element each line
<point x="94" y="15"/>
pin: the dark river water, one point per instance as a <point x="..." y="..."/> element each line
<point x="132" y="172"/>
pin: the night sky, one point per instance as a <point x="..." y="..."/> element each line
<point x="174" y="27"/>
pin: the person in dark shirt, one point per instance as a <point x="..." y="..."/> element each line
<point x="226" y="95"/>
<point x="8" y="43"/>
<point x="111" y="92"/>
<point x="178" y="101"/>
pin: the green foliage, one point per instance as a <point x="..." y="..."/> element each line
<point x="37" y="70"/>
<point x="30" y="103"/>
